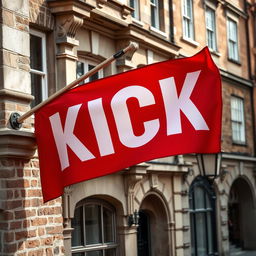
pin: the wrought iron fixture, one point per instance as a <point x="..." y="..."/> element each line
<point x="209" y="165"/>
<point x="133" y="219"/>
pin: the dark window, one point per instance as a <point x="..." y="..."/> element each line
<point x="202" y="218"/>
<point x="94" y="229"/>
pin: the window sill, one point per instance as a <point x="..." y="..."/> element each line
<point x="237" y="143"/>
<point x="158" y="32"/>
<point x="215" y="52"/>
<point x="237" y="62"/>
<point x="137" y="22"/>
<point x="190" y="41"/>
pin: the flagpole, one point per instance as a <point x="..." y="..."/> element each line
<point x="16" y="120"/>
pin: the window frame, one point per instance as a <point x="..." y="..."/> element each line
<point x="155" y="5"/>
<point x="135" y="4"/>
<point x="43" y="73"/>
<point x="208" y="29"/>
<point x="241" y="123"/>
<point x="86" y="63"/>
<point x="208" y="190"/>
<point x="190" y="20"/>
<point x="231" y="41"/>
<point x="97" y="246"/>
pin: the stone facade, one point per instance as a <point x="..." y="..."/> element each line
<point x="90" y="31"/>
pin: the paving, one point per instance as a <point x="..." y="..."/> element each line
<point x="234" y="251"/>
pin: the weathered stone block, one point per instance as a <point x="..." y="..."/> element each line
<point x="19" y="6"/>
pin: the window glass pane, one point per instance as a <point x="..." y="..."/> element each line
<point x="77" y="224"/>
<point x="36" y="61"/>
<point x="94" y="253"/>
<point x="108" y="225"/>
<point x="232" y="40"/>
<point x="93" y="224"/>
<point x="78" y="254"/>
<point x="111" y="252"/>
<point x="208" y="202"/>
<point x="193" y="231"/>
<point x="201" y="234"/>
<point x="199" y="198"/>
<point x="237" y="118"/>
<point x="36" y="88"/>
<point x="135" y="5"/>
<point x="79" y="69"/>
<point x="210" y="232"/>
<point x="93" y="77"/>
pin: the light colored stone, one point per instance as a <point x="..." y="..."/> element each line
<point x="20" y="6"/>
<point x="15" y="40"/>
<point x="16" y="80"/>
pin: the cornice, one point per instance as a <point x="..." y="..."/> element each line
<point x="17" y="143"/>
<point x="235" y="79"/>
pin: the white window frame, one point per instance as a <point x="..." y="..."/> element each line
<point x="188" y="20"/>
<point x="86" y="63"/>
<point x="233" y="53"/>
<point x="42" y="73"/>
<point x="154" y="4"/>
<point x="237" y="120"/>
<point x="136" y="6"/>
<point x="211" y="30"/>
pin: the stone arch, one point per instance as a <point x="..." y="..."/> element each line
<point x="144" y="188"/>
<point x="242" y="213"/>
<point x="101" y="188"/>
<point x="154" y="198"/>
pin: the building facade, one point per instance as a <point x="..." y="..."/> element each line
<point x="158" y="208"/>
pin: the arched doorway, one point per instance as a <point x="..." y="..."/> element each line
<point x="241" y="215"/>
<point x="153" y="228"/>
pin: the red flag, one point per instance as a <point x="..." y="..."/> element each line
<point x="168" y="108"/>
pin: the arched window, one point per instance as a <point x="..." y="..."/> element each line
<point x="94" y="231"/>
<point x="202" y="218"/>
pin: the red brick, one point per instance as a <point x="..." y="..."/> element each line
<point x="49" y="252"/>
<point x="7" y="173"/>
<point x="10" y="248"/>
<point x="13" y="204"/>
<point x="47" y="241"/>
<point x="34" y="193"/>
<point x="58" y="220"/>
<point x="54" y="230"/>
<point x="32" y="244"/>
<point x="9" y="194"/>
<point x="34" y="183"/>
<point x="9" y="237"/>
<point x="36" y="253"/>
<point x="39" y="221"/>
<point x="24" y="214"/>
<point x="41" y="231"/>
<point x="25" y="234"/>
<point x="15" y="183"/>
<point x="8" y="215"/>
<point x="16" y="225"/>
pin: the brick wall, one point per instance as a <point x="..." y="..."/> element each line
<point x="28" y="226"/>
<point x="227" y="143"/>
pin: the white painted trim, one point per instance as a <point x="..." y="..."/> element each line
<point x="44" y="72"/>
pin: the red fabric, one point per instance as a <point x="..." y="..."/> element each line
<point x="206" y="96"/>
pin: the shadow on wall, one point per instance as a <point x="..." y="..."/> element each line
<point x="242" y="215"/>
<point x="27" y="224"/>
